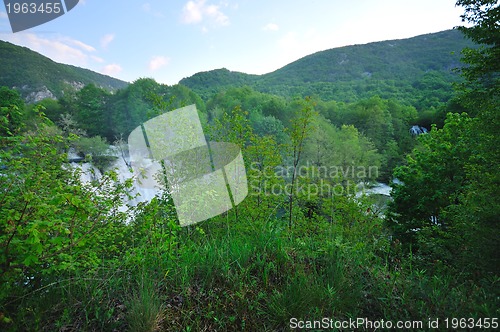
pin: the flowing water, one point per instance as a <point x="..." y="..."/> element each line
<point x="90" y="173"/>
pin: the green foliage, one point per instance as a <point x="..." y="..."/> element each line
<point x="96" y="150"/>
<point x="384" y="122"/>
<point x="214" y="81"/>
<point x="270" y="126"/>
<point x="89" y="266"/>
<point x="447" y="205"/>
<point x="51" y="224"/>
<point x="154" y="232"/>
<point x="91" y="109"/>
<point x="371" y="117"/>
<point x="482" y="70"/>
<point x="302" y="125"/>
<point x="233" y="127"/>
<point x="433" y="180"/>
<point x="52" y="109"/>
<point x="11" y="108"/>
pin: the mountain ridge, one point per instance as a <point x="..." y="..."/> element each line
<point x="37" y="77"/>
<point x="344" y="73"/>
<point x="399" y="68"/>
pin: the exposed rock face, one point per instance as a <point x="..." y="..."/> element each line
<point x="39" y="95"/>
<point x="36" y="94"/>
<point x="75" y="85"/>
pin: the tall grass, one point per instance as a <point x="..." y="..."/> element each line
<point x="255" y="277"/>
<point x="145" y="307"/>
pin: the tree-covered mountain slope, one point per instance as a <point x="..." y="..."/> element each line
<point x="405" y="69"/>
<point x="36" y="76"/>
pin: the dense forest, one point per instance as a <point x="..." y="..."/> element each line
<point x="309" y="241"/>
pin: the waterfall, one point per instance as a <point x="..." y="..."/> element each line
<point x="121" y="167"/>
<point x="378" y="188"/>
<point x="418" y="130"/>
<point x="89" y="173"/>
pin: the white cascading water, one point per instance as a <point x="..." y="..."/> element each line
<point x="90" y="173"/>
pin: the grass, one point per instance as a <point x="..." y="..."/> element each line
<point x="146" y="311"/>
<point x="253" y="278"/>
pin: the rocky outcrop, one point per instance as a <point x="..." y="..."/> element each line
<point x="39" y="95"/>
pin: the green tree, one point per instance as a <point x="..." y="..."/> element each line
<point x="96" y="150"/>
<point x="373" y="119"/>
<point x="92" y="111"/>
<point x="301" y="129"/>
<point x="356" y="156"/>
<point x="11" y="108"/>
<point x="448" y="204"/>
<point x="480" y="94"/>
<point x="482" y="71"/>
<point x="52" y="109"/>
<point x="270" y="126"/>
<point x="51" y="223"/>
<point x="432" y="180"/>
<point x="233" y="127"/>
<point x="265" y="184"/>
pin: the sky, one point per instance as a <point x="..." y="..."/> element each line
<point x="170" y="40"/>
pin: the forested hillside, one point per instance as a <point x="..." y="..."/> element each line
<point x="406" y="69"/>
<point x="313" y="238"/>
<point x="31" y="73"/>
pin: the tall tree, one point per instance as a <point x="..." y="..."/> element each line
<point x="483" y="68"/>
<point x="301" y="128"/>
<point x="50" y="222"/>
<point x="91" y="111"/>
<point x="448" y="203"/>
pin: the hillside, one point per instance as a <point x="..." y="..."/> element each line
<point x="404" y="69"/>
<point x="36" y="76"/>
<point x="408" y="70"/>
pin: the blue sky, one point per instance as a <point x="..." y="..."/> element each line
<point x="170" y="40"/>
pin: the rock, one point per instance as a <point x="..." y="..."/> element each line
<point x="39" y="95"/>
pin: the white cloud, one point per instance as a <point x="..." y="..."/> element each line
<point x="112" y="69"/>
<point x="106" y="40"/>
<point x="97" y="59"/>
<point x="58" y="48"/>
<point x="3" y="15"/>
<point x="196" y="11"/>
<point x="219" y="17"/>
<point x="146" y="7"/>
<point x="271" y="27"/>
<point x="158" y="62"/>
<point x="80" y="44"/>
<point x="192" y="12"/>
